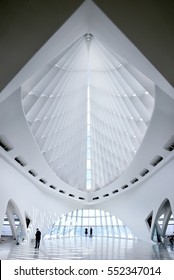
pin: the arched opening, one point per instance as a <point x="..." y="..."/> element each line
<point x="79" y="222"/>
<point x="164" y="223"/>
<point x="149" y="220"/>
<point x="13" y="225"/>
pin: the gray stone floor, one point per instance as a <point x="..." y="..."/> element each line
<point x="95" y="248"/>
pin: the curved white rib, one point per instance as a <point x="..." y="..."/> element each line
<point x="88" y="114"/>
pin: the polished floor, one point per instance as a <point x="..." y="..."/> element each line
<point x="85" y="248"/>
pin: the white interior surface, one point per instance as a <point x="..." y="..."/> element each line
<point x="142" y="194"/>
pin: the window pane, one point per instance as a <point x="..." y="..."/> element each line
<point x="97" y="212"/>
<point x="85" y="221"/>
<point x="110" y="231"/>
<point x="88" y="174"/>
<point x="68" y="220"/>
<point x="80" y="212"/>
<point x="91" y="212"/>
<point x="85" y="213"/>
<point x="88" y="164"/>
<point x="88" y="130"/>
<point x="98" y="221"/>
<point x="88" y="184"/>
<point x="102" y="223"/>
<point x="108" y="220"/>
<point x="91" y="221"/>
<point x="88" y="142"/>
<point x="116" y="231"/>
<point x="120" y="222"/>
<point x="88" y="153"/>
<point x="79" y="221"/>
<point x="73" y="221"/>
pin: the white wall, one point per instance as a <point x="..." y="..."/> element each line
<point x="43" y="207"/>
<point x="134" y="206"/>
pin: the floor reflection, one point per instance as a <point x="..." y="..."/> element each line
<point x="95" y="248"/>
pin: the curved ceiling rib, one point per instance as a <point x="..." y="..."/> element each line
<point x="88" y="114"/>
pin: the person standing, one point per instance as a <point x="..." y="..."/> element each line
<point x="38" y="238"/>
<point x="86" y="231"/>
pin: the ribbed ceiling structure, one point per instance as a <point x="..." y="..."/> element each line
<point x="88" y="113"/>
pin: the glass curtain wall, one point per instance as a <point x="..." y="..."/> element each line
<point x="6" y="229"/>
<point x="170" y="225"/>
<point x="101" y="222"/>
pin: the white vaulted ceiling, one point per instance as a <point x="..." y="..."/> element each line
<point x="89" y="119"/>
<point x="88" y="113"/>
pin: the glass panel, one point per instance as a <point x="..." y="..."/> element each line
<point x="102" y="213"/>
<point x="162" y="216"/>
<point x="72" y="231"/>
<point x="85" y="221"/>
<point x="62" y="221"/>
<point x="57" y="222"/>
<point x="88" y="174"/>
<point x="91" y="221"/>
<point x="97" y="212"/>
<point x="88" y="153"/>
<point x="79" y="231"/>
<point x="88" y="142"/>
<point x="53" y="231"/>
<point x="116" y="231"/>
<point x="74" y="213"/>
<point x="105" y="232"/>
<point x="85" y="213"/>
<point x="66" y="231"/>
<point x="98" y="221"/>
<point x="68" y="220"/>
<point x="60" y="232"/>
<point x="88" y="184"/>
<point x="88" y="118"/>
<point x="99" y="231"/>
<point x="79" y="212"/>
<point x="88" y="129"/>
<point x="110" y="231"/>
<point x="122" y="231"/>
<point x="79" y="221"/>
<point x="102" y="223"/>
<point x="108" y="220"/>
<point x="73" y="221"/>
<point x="88" y="164"/>
<point x="91" y="212"/>
<point x="120" y="222"/>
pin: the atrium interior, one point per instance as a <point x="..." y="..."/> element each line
<point x="87" y="140"/>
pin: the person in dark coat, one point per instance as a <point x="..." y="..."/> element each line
<point x="86" y="231"/>
<point x="38" y="238"/>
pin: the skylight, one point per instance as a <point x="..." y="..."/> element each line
<point x="88" y="111"/>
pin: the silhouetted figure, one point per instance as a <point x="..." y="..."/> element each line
<point x="86" y="231"/>
<point x="27" y="222"/>
<point x="38" y="238"/>
<point x="171" y="237"/>
<point x="90" y="232"/>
